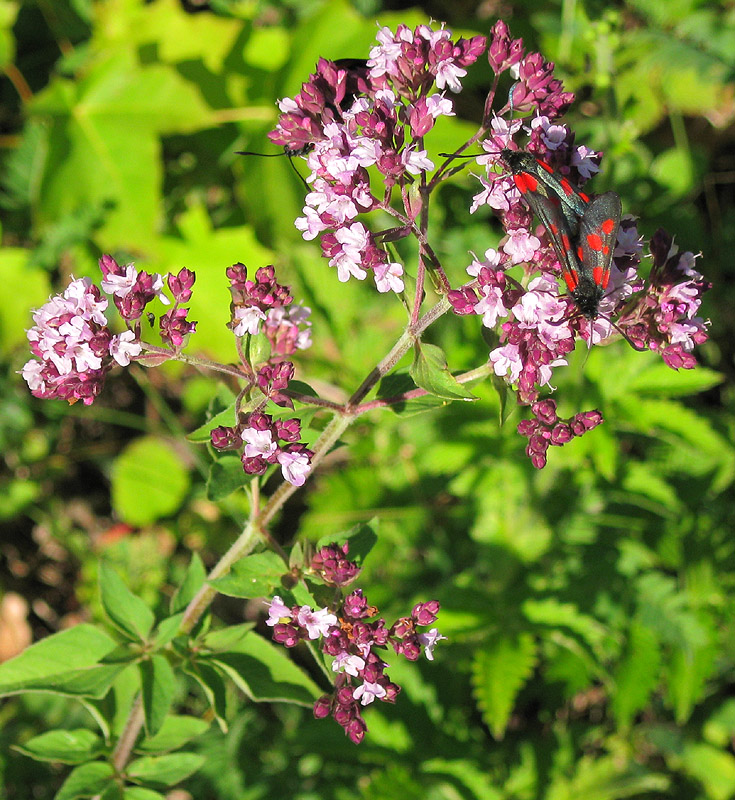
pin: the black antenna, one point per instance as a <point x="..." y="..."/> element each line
<point x="290" y="153"/>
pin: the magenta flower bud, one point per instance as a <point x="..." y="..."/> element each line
<point x="425" y="613"/>
<point x="420" y="119"/>
<point x="322" y="707"/>
<point x="675" y="357"/>
<point x="503" y="52"/>
<point x="463" y="300"/>
<point x="526" y="427"/>
<point x="356" y="605"/>
<point x="253" y="465"/>
<point x="590" y="419"/>
<point x="180" y="285"/>
<point x="539" y="442"/>
<point x="333" y="566"/>
<point x="577" y="427"/>
<point x="356" y="730"/>
<point x="224" y="438"/>
<point x="545" y="411"/>
<point x="391" y="691"/>
<point x="289" y="430"/>
<point x="109" y="266"/>
<point x="287" y="634"/>
<point x="561" y="433"/>
<point x="538" y="460"/>
<point x="175" y="327"/>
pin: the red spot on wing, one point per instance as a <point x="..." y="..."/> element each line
<point x="567" y="187"/>
<point x="607" y="226"/>
<point x="584" y="196"/>
<point x="597" y="276"/>
<point x="525" y="182"/>
<point x="595" y="242"/>
<point x="545" y="166"/>
<point x="605" y="279"/>
<point x="565" y="243"/>
<point x="571" y="279"/>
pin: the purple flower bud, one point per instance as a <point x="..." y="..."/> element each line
<point x="425" y="613"/>
<point x="224" y="438"/>
<point x="109" y="266"/>
<point x="356" y="606"/>
<point x="356" y="730"/>
<point x="463" y="300"/>
<point x="333" y="566"/>
<point x="180" y="285"/>
<point x="561" y="434"/>
<point x="289" y="430"/>
<point x="545" y="411"/>
<point x="322" y="707"/>
<point x="503" y="52"/>
<point x="175" y="327"/>
<point x="526" y="427"/>
<point x="287" y="634"/>
<point x="590" y="419"/>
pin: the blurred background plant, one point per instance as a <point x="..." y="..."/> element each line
<point x="589" y="606"/>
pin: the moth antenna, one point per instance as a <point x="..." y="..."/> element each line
<point x="264" y="155"/>
<point x="460" y="155"/>
<point x="285" y="152"/>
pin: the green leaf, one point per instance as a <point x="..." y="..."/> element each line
<point x="167" y="629"/>
<point x="158" y="684"/>
<point x="41" y="664"/>
<point x="92" y="682"/>
<point x="400" y="383"/>
<point x="149" y="481"/>
<point x="658" y="379"/>
<point x="192" y="583"/>
<point x="128" y="612"/>
<point x="550" y="612"/>
<point x="688" y="670"/>
<point x="226" y="417"/>
<point x="213" y="686"/>
<point x="429" y="371"/>
<point x="713" y="768"/>
<point x="28" y="287"/>
<point x="86" y="781"/>
<point x="227" y="638"/>
<point x="174" y="733"/>
<point x="498" y="674"/>
<point x="265" y="672"/>
<point x="361" y="538"/>
<point x="141" y="793"/>
<point x="165" y="770"/>
<point x="66" y="746"/>
<point x="257" y="575"/>
<point x="226" y="476"/>
<point x="91" y="157"/>
<point x="637" y="674"/>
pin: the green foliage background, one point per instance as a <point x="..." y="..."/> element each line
<point x="589" y="607"/>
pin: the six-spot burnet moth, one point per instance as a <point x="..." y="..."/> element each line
<point x="583" y="231"/>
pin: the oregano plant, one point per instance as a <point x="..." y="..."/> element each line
<point x="361" y="130"/>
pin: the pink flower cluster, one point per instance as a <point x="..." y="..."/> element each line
<point x="359" y="118"/>
<point x="538" y="324"/>
<point x="75" y="347"/>
<point x="353" y="638"/>
<point x="665" y="318"/>
<point x="264" y="441"/>
<point x="264" y="304"/>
